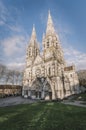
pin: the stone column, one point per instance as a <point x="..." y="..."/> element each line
<point x="42" y="94"/>
<point x="23" y="92"/>
<point x="53" y="91"/>
<point x="38" y="95"/>
<point x="29" y="93"/>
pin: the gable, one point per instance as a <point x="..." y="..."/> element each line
<point x="38" y="60"/>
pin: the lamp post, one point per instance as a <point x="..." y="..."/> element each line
<point x="63" y="82"/>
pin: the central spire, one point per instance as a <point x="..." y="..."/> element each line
<point x="33" y="36"/>
<point x="50" y="27"/>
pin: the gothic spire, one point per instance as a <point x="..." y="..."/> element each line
<point x="43" y="36"/>
<point x="33" y="36"/>
<point x="33" y="40"/>
<point x="50" y="27"/>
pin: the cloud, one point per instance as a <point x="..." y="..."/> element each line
<point x="15" y="28"/>
<point x="1" y="22"/>
<point x="7" y="20"/>
<point x="14" y="51"/>
<point x="76" y="57"/>
<point x="72" y="55"/>
<point x="15" y="65"/>
<point x="3" y="13"/>
<point x="14" y="45"/>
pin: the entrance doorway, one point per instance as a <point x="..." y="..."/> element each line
<point x="50" y="95"/>
<point x="38" y="94"/>
<point x="42" y="88"/>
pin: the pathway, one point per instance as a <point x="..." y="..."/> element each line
<point x="9" y="101"/>
<point x="76" y="103"/>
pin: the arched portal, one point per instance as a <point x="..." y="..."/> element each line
<point x="41" y="89"/>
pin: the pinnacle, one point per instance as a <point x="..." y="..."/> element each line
<point x="49" y="18"/>
<point x="49" y="15"/>
<point x="33" y="39"/>
<point x="43" y="36"/>
<point x="33" y="35"/>
<point x="33" y="32"/>
<point x="50" y="27"/>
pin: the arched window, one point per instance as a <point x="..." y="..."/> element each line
<point x="56" y="44"/>
<point x="29" y="52"/>
<point x="47" y="43"/>
<point x="44" y="45"/>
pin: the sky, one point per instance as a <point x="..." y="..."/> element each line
<point x="18" y="16"/>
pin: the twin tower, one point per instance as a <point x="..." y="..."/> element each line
<point x="46" y="75"/>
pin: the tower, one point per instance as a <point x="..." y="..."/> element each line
<point x="53" y="58"/>
<point x="32" y="51"/>
<point x="33" y="48"/>
<point x="52" y="51"/>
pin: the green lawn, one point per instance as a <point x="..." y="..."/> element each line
<point x="79" y="97"/>
<point x="43" y="116"/>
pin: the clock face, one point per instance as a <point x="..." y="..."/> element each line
<point x="38" y="72"/>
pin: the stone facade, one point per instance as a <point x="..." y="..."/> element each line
<point x="46" y="75"/>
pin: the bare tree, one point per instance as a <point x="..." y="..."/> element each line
<point x="12" y="76"/>
<point x="8" y="76"/>
<point x="82" y="77"/>
<point x="2" y="71"/>
<point x="17" y="77"/>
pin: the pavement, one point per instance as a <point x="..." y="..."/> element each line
<point x="10" y="101"/>
<point x="75" y="103"/>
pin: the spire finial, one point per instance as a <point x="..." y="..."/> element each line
<point x="49" y="15"/>
<point x="33" y="36"/>
<point x="43" y="35"/>
<point x="50" y="27"/>
<point x="33" y="31"/>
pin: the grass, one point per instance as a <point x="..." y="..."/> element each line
<point x="43" y="116"/>
<point x="79" y="97"/>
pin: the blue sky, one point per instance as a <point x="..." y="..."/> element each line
<point x="18" y="16"/>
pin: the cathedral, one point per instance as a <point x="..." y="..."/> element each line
<point x="46" y="75"/>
